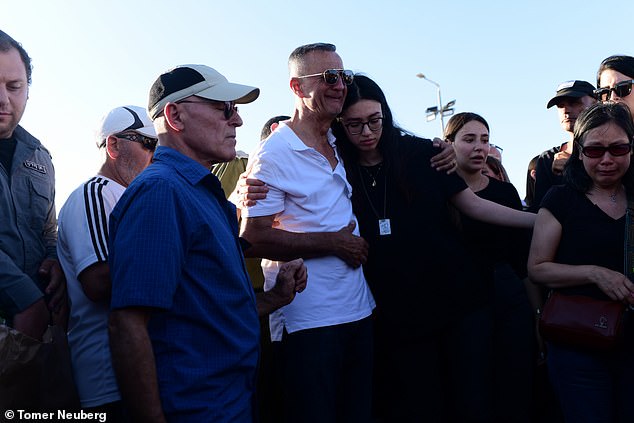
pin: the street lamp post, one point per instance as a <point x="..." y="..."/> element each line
<point x="438" y="110"/>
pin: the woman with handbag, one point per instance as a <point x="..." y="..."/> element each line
<point x="578" y="251"/>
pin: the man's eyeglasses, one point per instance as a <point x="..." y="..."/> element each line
<point x="147" y="142"/>
<point x="622" y="89"/>
<point x="497" y="147"/>
<point x="229" y="108"/>
<point x="355" y="128"/>
<point x="331" y="76"/>
<point x="596" y="151"/>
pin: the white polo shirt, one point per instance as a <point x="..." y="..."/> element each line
<point x="307" y="195"/>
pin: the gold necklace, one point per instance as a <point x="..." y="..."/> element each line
<point x="372" y="175"/>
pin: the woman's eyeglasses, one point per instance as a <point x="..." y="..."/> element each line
<point x="331" y="76"/>
<point x="147" y="142"/>
<point x="596" y="151"/>
<point x="229" y="108"/>
<point x="622" y="89"/>
<point x="355" y="128"/>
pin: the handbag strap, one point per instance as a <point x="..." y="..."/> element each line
<point x="629" y="240"/>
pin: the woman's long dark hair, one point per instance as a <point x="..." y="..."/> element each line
<point x="594" y="116"/>
<point x="364" y="88"/>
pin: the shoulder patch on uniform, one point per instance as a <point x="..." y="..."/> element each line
<point x="35" y="166"/>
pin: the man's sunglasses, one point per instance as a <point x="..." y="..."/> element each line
<point x="147" y="142"/>
<point x="596" y="151"/>
<point x="229" y="108"/>
<point x="622" y="89"/>
<point x="331" y="76"/>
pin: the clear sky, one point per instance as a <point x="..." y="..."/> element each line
<point x="502" y="60"/>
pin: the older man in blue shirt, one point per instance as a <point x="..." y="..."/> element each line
<point x="184" y="328"/>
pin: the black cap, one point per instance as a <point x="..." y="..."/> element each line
<point x="574" y="89"/>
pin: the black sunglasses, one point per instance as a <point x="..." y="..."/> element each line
<point x="331" y="76"/>
<point x="622" y="89"/>
<point x="147" y="142"/>
<point x="229" y="108"/>
<point x="596" y="151"/>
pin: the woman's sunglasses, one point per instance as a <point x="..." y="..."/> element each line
<point x="331" y="76"/>
<point x="622" y="89"/>
<point x="596" y="151"/>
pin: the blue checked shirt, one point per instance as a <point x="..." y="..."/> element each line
<point x="174" y="247"/>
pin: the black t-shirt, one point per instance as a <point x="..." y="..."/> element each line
<point x="7" y="149"/>
<point x="420" y="274"/>
<point x="589" y="236"/>
<point x="544" y="176"/>
<point x="492" y="244"/>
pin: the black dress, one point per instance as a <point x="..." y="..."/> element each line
<point x="421" y="265"/>
<point x="501" y="254"/>
<point x="429" y="363"/>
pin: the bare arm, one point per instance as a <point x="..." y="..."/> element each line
<point x="489" y="212"/>
<point x="291" y="279"/>
<point x="133" y="361"/>
<point x="95" y="281"/>
<point x="542" y="269"/>
<point x="276" y="244"/>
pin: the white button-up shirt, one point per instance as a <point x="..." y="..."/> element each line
<point x="307" y="195"/>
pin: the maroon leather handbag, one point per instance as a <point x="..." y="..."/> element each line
<point x="583" y="322"/>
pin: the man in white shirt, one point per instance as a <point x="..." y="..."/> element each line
<point x="326" y="331"/>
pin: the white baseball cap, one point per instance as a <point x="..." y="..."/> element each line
<point x="125" y="118"/>
<point x="200" y="80"/>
